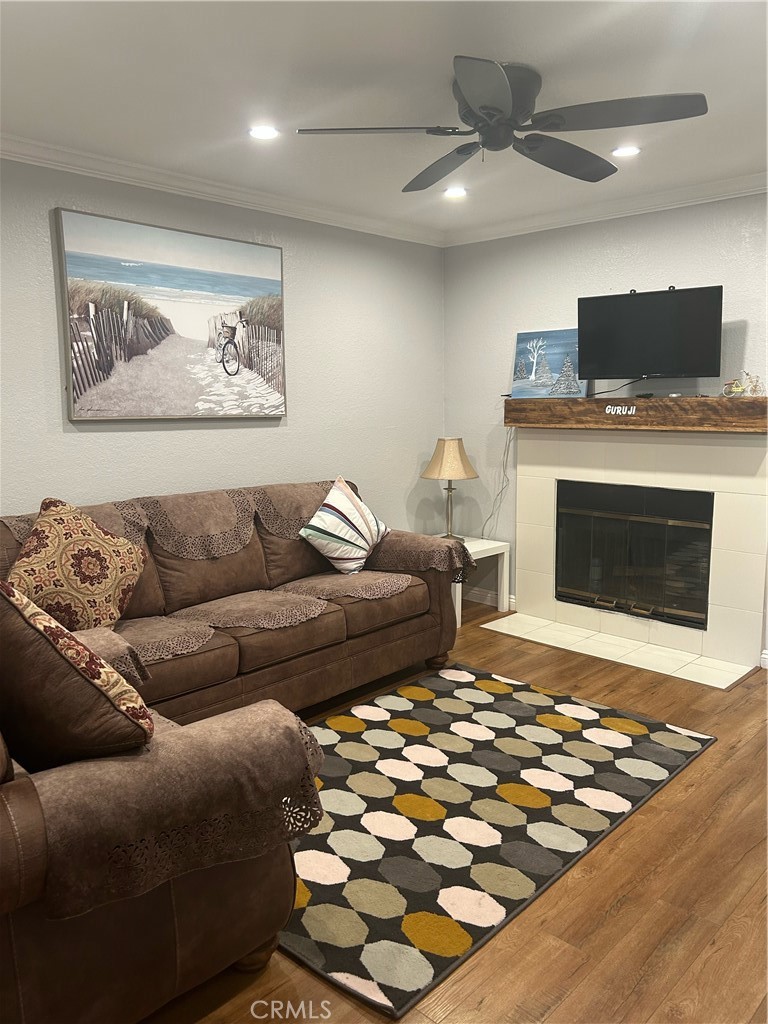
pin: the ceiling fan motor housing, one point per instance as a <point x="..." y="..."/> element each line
<point x="497" y="132"/>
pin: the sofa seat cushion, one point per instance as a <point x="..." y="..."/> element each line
<point x="262" y="647"/>
<point x="215" y="661"/>
<point x="364" y="616"/>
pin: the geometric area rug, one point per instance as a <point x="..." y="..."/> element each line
<point x="450" y="805"/>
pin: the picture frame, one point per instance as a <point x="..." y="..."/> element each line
<point x="160" y="323"/>
<point x="545" y="365"/>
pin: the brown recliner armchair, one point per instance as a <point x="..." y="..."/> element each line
<point x="127" y="880"/>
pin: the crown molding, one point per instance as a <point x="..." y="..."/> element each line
<point x="691" y="195"/>
<point x="77" y="162"/>
<point x="28" y="151"/>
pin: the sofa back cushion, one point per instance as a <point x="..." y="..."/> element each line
<point x="289" y="560"/>
<point x="60" y="702"/>
<point x="147" y="598"/>
<point x="288" y="508"/>
<point x="205" y="546"/>
<point x="188" y="581"/>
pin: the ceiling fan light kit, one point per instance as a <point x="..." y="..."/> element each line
<point x="498" y="102"/>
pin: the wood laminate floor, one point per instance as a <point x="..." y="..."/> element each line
<point x="664" y="921"/>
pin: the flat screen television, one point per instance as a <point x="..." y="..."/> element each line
<point x="673" y="333"/>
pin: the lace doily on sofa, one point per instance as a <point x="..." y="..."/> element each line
<point x="284" y="509"/>
<point x="209" y="524"/>
<point x="257" y="609"/>
<point x="369" y="586"/>
<point x="160" y="637"/>
<point x="227" y="789"/>
<point x="416" y="552"/>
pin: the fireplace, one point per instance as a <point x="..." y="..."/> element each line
<point x="644" y="551"/>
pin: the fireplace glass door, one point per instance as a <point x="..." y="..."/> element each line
<point x="640" y="550"/>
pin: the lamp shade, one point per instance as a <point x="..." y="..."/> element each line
<point x="449" y="461"/>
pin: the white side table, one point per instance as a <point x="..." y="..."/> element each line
<point x="483" y="548"/>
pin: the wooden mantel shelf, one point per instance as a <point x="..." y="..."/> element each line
<point x="717" y="415"/>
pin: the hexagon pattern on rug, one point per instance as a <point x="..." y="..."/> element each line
<point x="449" y="805"/>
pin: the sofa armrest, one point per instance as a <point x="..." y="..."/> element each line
<point x="224" y="789"/>
<point x="23" y="845"/>
<point x="402" y="551"/>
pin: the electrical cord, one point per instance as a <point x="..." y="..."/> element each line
<point x="611" y="390"/>
<point x="499" y="497"/>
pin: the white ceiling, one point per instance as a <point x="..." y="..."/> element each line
<point x="162" y="93"/>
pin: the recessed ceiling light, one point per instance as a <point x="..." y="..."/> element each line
<point x="263" y="131"/>
<point x="455" y="192"/>
<point x="626" y="151"/>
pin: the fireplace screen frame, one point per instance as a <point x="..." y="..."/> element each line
<point x="649" y="550"/>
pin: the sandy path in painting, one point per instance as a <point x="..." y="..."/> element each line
<point x="180" y="377"/>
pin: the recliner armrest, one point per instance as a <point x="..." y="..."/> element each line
<point x="23" y="845"/>
<point x="224" y="789"/>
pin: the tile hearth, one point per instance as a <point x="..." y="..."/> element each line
<point x="709" y="671"/>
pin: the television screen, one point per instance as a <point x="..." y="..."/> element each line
<point x="674" y="333"/>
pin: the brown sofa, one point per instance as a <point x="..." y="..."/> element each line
<point x="352" y="641"/>
<point x="191" y="912"/>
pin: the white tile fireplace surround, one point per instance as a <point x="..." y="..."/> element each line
<point x="732" y="466"/>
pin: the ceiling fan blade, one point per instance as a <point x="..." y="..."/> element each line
<point x="442" y="167"/>
<point x="564" y="157"/>
<point x="436" y="130"/>
<point x="484" y="85"/>
<point x="621" y="113"/>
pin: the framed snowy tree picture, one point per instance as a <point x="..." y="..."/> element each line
<point x="545" y="365"/>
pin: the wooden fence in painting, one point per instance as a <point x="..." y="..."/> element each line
<point x="104" y="338"/>
<point x="260" y="347"/>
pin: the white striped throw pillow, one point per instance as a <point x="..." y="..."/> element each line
<point x="344" y="529"/>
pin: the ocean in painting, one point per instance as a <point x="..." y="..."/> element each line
<point x="156" y="280"/>
<point x="545" y="365"/>
<point x="188" y="296"/>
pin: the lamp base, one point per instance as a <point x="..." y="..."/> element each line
<point x="451" y="536"/>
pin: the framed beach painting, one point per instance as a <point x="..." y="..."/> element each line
<point x="545" y="365"/>
<point x="165" y="324"/>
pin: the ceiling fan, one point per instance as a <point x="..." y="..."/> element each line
<point x="498" y="101"/>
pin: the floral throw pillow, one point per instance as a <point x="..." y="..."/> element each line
<point x="75" y="570"/>
<point x="344" y="529"/>
<point x="60" y="701"/>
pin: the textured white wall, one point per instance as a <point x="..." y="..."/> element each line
<point x="364" y="359"/>
<point x="495" y="289"/>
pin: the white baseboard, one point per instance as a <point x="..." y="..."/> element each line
<point x="764" y="659"/>
<point x="483" y="596"/>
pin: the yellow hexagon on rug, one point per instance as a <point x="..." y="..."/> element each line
<point x="416" y="693"/>
<point x="493" y="686"/>
<point x="303" y="895"/>
<point x="346" y="723"/>
<point x="408" y="726"/>
<point x="436" y="934"/>
<point x="625" y="725"/>
<point x="523" y="796"/>
<point x="562" y="723"/>
<point x="423" y="808"/>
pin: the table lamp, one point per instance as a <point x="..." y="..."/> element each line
<point x="449" y="462"/>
